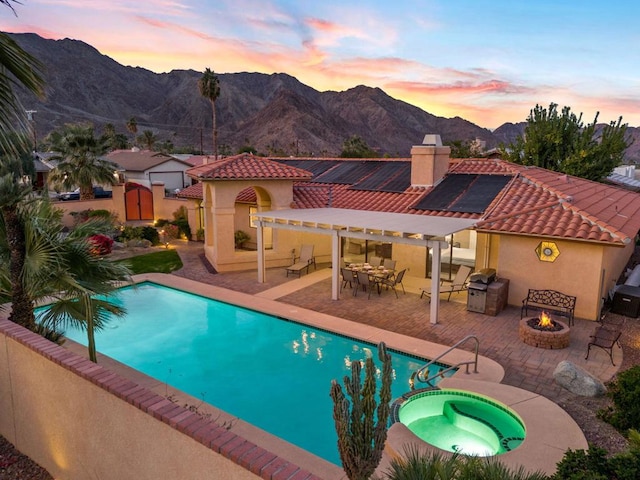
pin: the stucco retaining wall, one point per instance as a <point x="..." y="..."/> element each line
<point x="79" y="420"/>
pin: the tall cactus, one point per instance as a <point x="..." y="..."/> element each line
<point x="362" y="431"/>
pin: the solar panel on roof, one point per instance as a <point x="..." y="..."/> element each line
<point x="390" y="177"/>
<point x="377" y="178"/>
<point x="400" y="182"/>
<point x="347" y="172"/>
<point x="480" y="194"/>
<point x="316" y="167"/>
<point x="443" y="194"/>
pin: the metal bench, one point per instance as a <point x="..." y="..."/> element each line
<point x="549" y="300"/>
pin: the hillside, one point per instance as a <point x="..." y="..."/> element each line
<point x="275" y="113"/>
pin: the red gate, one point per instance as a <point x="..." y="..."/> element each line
<point x="138" y="201"/>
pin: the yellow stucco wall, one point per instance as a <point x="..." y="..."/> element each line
<point x="76" y="430"/>
<point x="577" y="271"/>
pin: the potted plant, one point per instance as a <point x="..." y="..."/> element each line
<point x="240" y="237"/>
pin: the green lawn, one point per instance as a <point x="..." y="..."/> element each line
<point x="165" y="261"/>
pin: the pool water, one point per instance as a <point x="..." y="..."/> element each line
<point x="273" y="373"/>
<point x="461" y="421"/>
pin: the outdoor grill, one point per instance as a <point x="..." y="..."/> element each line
<point x="477" y="289"/>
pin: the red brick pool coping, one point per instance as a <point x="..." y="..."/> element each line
<point x="218" y="438"/>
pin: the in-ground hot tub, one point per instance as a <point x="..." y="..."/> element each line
<point x="460" y="421"/>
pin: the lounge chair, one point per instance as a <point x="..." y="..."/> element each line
<point x="303" y="262"/>
<point x="459" y="283"/>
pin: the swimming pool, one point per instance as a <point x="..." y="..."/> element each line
<point x="273" y="373"/>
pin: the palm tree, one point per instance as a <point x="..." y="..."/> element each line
<point x="148" y="139"/>
<point x="132" y="127"/>
<point x="83" y="283"/>
<point x="63" y="268"/>
<point x="209" y="87"/>
<point x="17" y="67"/>
<point x="13" y="192"/>
<point x="78" y="152"/>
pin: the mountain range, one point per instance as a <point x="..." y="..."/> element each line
<point x="276" y="114"/>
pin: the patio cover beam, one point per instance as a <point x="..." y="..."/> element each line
<point x="418" y="230"/>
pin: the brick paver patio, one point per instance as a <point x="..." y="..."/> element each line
<point x="525" y="366"/>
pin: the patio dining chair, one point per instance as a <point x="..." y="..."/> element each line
<point x="375" y="261"/>
<point x="459" y="283"/>
<point x="364" y="280"/>
<point x="303" y="262"/>
<point x="389" y="264"/>
<point x="397" y="280"/>
<point x="347" y="278"/>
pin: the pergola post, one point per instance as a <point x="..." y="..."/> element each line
<point x="435" y="284"/>
<point x="262" y="273"/>
<point x="335" y="265"/>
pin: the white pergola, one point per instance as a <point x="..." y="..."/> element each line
<point x="418" y="230"/>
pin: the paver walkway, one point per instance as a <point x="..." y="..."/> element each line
<point x="526" y="367"/>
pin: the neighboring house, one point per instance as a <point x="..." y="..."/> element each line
<point x="520" y="214"/>
<point x="146" y="167"/>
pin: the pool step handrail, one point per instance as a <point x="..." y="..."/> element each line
<point x="419" y="373"/>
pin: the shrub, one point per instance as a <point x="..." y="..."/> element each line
<point x="150" y="233"/>
<point x="594" y="464"/>
<point x="101" y="214"/>
<point x="129" y="233"/>
<point x="624" y="392"/>
<point x="161" y="222"/>
<point x="240" y="237"/>
<point x="171" y="231"/>
<point x="101" y="244"/>
<point x="583" y="464"/>
<point x="183" y="226"/>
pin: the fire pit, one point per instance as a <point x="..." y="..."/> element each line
<point x="543" y="332"/>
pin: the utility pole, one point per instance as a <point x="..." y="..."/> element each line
<point x="32" y="122"/>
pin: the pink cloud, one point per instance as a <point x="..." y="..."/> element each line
<point x="491" y="86"/>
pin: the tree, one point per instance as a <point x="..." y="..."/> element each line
<point x="209" y="87"/>
<point x="17" y="67"/>
<point x="148" y="139"/>
<point x="560" y="141"/>
<point x="362" y="429"/>
<point x="461" y="149"/>
<point x="113" y="139"/>
<point x="60" y="267"/>
<point x="356" y="147"/>
<point x="78" y="152"/>
<point x="81" y="286"/>
<point x="132" y="127"/>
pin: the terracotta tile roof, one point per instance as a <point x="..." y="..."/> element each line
<point x="192" y="191"/>
<point x="247" y="167"/>
<point x="535" y="202"/>
<point x="547" y="203"/>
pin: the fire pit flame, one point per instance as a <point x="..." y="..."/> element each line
<point x="545" y="321"/>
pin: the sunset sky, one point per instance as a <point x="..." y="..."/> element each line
<point x="489" y="62"/>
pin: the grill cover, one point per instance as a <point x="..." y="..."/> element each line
<point x="485" y="276"/>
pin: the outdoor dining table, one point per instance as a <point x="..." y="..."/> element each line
<point x="376" y="274"/>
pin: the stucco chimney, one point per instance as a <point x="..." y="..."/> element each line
<point x="429" y="161"/>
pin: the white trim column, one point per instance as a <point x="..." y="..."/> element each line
<point x="335" y="265"/>
<point x="435" y="283"/>
<point x="262" y="272"/>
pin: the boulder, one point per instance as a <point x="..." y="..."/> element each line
<point x="577" y="380"/>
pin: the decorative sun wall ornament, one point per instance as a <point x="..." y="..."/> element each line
<point x="547" y="251"/>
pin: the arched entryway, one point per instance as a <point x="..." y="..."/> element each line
<point x="138" y="201"/>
